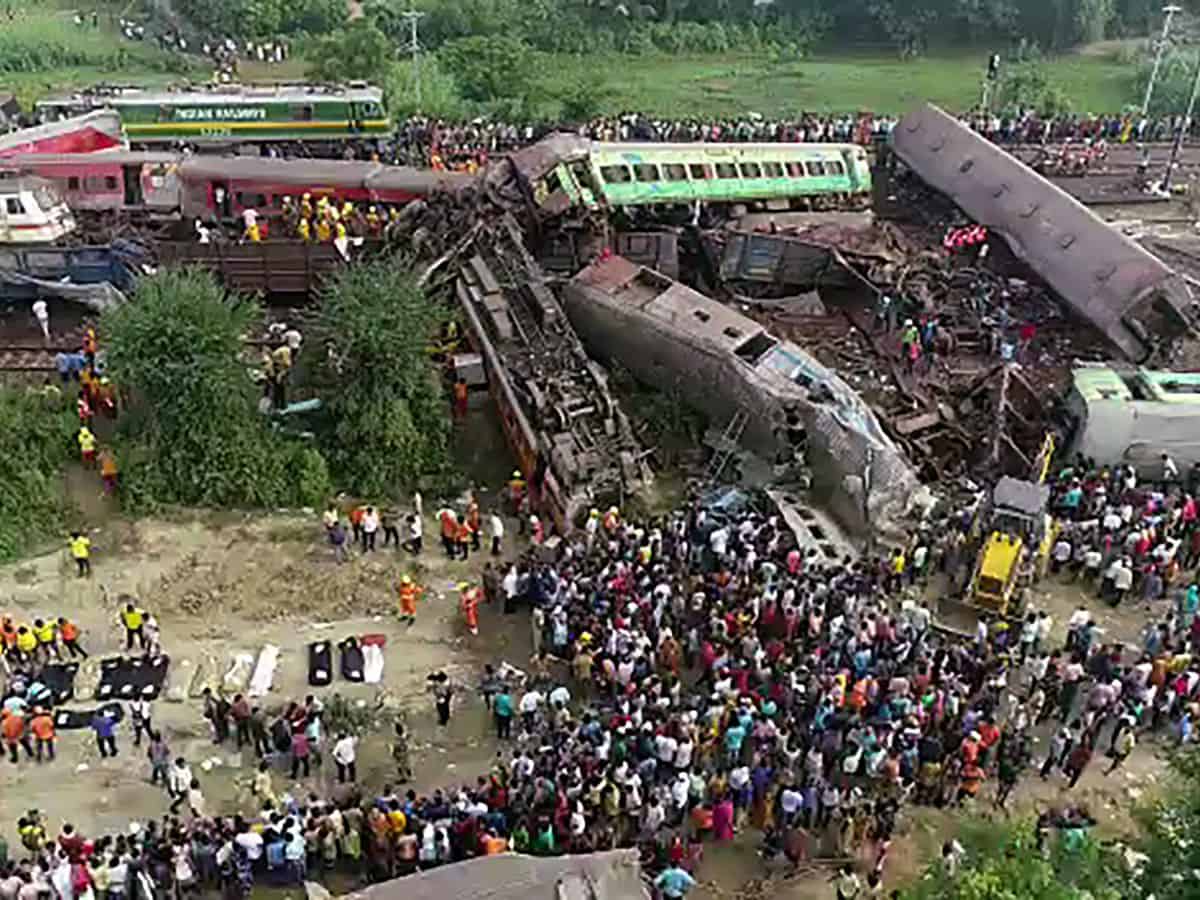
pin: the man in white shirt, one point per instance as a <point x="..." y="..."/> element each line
<point x="530" y="701"/>
<point x="252" y="843"/>
<point x="496" y="526"/>
<point x="41" y="312"/>
<point x="345" y="753"/>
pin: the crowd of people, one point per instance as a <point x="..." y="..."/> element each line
<point x="467" y="146"/>
<point x="698" y="675"/>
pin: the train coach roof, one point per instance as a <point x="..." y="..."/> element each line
<point x="98" y="158"/>
<point x="399" y="178"/>
<point x="274" y="171"/>
<point x="699" y="147"/>
<point x="227" y="94"/>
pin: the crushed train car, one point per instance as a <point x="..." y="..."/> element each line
<point x="571" y="439"/>
<point x="725" y="364"/>
<point x="1133" y="298"/>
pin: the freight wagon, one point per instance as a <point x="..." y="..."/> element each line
<point x="221" y="115"/>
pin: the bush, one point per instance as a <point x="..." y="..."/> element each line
<point x="190" y="432"/>
<point x="385" y="424"/>
<point x="36" y="441"/>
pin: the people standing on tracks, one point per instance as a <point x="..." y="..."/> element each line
<point x="496" y="528"/>
<point x="14" y="731"/>
<point x="41" y="726"/>
<point x="108" y="471"/>
<point x="81" y="551"/>
<point x="448" y="522"/>
<point x="41" y="312"/>
<point x="345" y="754"/>
<point x="470" y="595"/>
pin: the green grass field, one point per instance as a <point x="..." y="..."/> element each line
<point x="729" y="85"/>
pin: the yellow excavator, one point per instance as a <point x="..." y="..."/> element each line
<point x="1019" y="532"/>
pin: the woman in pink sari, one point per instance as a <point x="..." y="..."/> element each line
<point x="723" y="819"/>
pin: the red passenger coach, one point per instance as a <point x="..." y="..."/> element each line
<point x="111" y="181"/>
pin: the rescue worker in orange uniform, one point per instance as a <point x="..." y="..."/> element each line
<point x="470" y="606"/>
<point x="462" y="537"/>
<point x="460" y="399"/>
<point x="449" y="525"/>
<point x="42" y="727"/>
<point x="410" y="592"/>
<point x="612" y="519"/>
<point x="12" y="727"/>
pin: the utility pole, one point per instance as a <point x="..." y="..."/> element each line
<point x="1168" y="14"/>
<point x="1183" y="127"/>
<point x="412" y="17"/>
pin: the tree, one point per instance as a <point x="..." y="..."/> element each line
<point x="1003" y="863"/>
<point x="385" y="422"/>
<point x="358" y="51"/>
<point x="490" y="67"/>
<point x="190" y="432"/>
<point x="1171" y="824"/>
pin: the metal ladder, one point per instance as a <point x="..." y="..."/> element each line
<point x="727" y="446"/>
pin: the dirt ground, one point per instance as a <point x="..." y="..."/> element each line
<point x="230" y="583"/>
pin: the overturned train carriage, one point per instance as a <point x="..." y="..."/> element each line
<point x="569" y="435"/>
<point x="724" y="363"/>
<point x="1128" y="294"/>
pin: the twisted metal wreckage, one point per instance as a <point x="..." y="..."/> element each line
<point x="557" y="409"/>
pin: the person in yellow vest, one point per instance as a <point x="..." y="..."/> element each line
<point x="304" y="231"/>
<point x="410" y="592"/>
<point x="133" y="619"/>
<point x="896" y="570"/>
<point x="324" y="229"/>
<point x="87" y="445"/>
<point x="47" y="638"/>
<point x="612" y="519"/>
<point x="306" y="207"/>
<point x="81" y="552"/>
<point x="26" y="644"/>
<point x="339" y="230"/>
<point x="373" y="222"/>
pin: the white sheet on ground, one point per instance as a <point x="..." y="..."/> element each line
<point x="264" y="671"/>
<point x="372" y="664"/>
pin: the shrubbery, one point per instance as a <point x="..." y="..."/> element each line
<point x="190" y="432"/>
<point x="37" y="438"/>
<point x="385" y="421"/>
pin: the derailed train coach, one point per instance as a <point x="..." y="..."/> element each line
<point x="1127" y="293"/>
<point x="565" y="171"/>
<point x="223" y="187"/>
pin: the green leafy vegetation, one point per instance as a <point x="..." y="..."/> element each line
<point x="35" y="41"/>
<point x="358" y="51"/>
<point x="264" y="19"/>
<point x="190" y="432"/>
<point x="37" y="438"/>
<point x="385" y="421"/>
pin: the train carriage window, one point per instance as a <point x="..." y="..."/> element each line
<point x="73" y="183"/>
<point x="699" y="171"/>
<point x="97" y="184"/>
<point x="110" y="182"/>
<point x="835" y="168"/>
<point x="13" y="206"/>
<point x="675" y="172"/>
<point x="302" y="113"/>
<point x="796" y="170"/>
<point x="615" y="174"/>
<point x="751" y="170"/>
<point x="250" y="201"/>
<point x="164" y="114"/>
<point x="646" y="172"/>
<point x="772" y="170"/>
<point x="815" y="167"/>
<point x="726" y="170"/>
